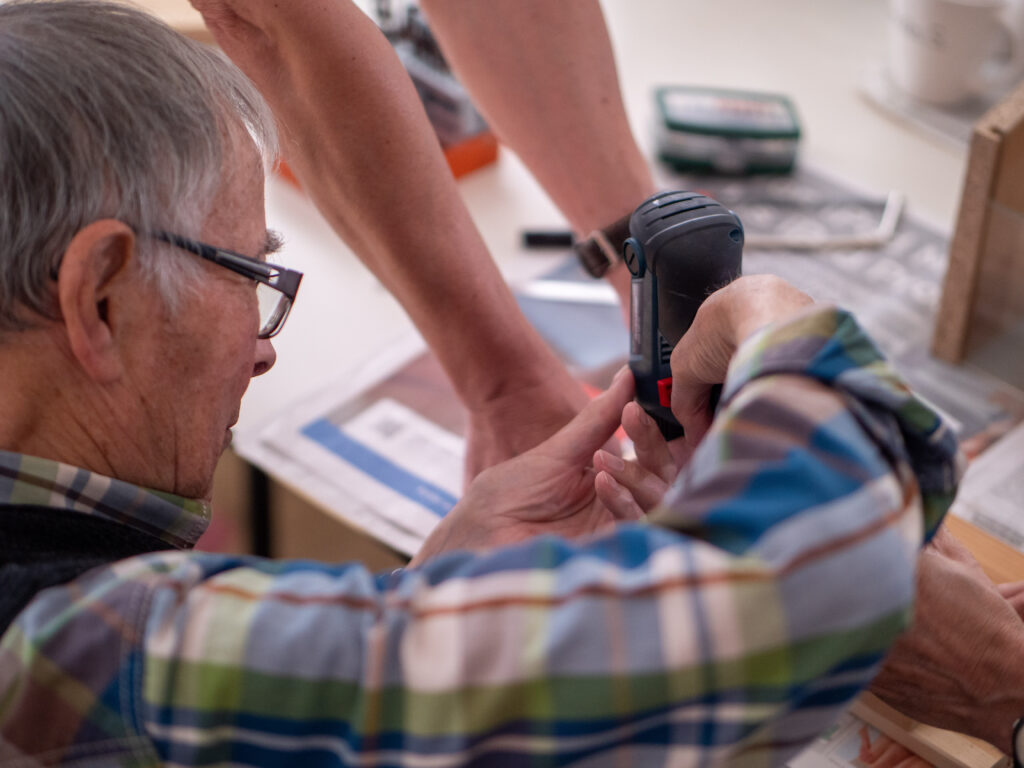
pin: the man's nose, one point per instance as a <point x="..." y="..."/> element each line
<point x="266" y="356"/>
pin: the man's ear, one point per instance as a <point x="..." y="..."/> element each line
<point x="98" y="255"/>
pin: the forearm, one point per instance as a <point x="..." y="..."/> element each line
<point x="355" y="132"/>
<point x="543" y="73"/>
<point x="548" y="85"/>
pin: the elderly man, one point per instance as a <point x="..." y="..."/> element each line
<point x="762" y="596"/>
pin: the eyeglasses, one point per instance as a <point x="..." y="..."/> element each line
<point x="275" y="286"/>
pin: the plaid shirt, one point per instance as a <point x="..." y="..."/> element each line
<point x="733" y="628"/>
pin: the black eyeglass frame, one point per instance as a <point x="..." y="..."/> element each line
<point x="285" y="281"/>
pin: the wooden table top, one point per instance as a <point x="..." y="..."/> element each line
<point x="1000" y="561"/>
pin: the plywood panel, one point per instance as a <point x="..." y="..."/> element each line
<point x="981" y="296"/>
<point x="944" y="749"/>
<point x="954" y="313"/>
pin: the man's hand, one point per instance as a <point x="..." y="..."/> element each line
<point x="699" y="361"/>
<point x="512" y="424"/>
<point x="961" y="664"/>
<point x="633" y="488"/>
<point x="1014" y="593"/>
<point x="548" y="490"/>
<point x="728" y="316"/>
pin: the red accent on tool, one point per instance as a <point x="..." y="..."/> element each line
<point x="665" y="392"/>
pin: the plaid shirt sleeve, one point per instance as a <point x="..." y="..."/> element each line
<point x="734" y="628"/>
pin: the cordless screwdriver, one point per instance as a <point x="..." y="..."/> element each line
<point x="683" y="246"/>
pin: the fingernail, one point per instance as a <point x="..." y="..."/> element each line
<point x="611" y="461"/>
<point x="621" y="374"/>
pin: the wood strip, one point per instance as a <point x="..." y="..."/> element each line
<point x="944" y="749"/>
<point x="952" y="322"/>
<point x="997" y="146"/>
<point x="1008" y="115"/>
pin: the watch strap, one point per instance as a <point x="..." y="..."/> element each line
<point x="603" y="247"/>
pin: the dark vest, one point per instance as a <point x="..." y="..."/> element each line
<point x="42" y="547"/>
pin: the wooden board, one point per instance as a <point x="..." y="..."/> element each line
<point x="981" y="296"/>
<point x="944" y="749"/>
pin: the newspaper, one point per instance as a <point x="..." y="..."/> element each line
<point x="360" y="452"/>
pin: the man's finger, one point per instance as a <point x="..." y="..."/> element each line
<point x="594" y="425"/>
<point x="691" y="409"/>
<point x="616" y="499"/>
<point x="1013" y="593"/>
<point x="696" y="368"/>
<point x="652" y="452"/>
<point x="1011" y="589"/>
<point x="646" y="488"/>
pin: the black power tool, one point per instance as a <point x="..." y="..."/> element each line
<point x="683" y="246"/>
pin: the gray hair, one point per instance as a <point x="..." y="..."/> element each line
<point x="106" y="112"/>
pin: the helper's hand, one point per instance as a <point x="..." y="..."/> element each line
<point x="549" y="489"/>
<point x="728" y="316"/>
<point x="506" y="427"/>
<point x="632" y="488"/>
<point x="959" y="666"/>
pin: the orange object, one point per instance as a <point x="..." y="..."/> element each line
<point x="464" y="157"/>
<point x="285" y="172"/>
<point x="475" y="152"/>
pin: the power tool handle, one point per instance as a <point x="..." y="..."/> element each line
<point x="670" y="428"/>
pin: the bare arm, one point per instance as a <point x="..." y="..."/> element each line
<point x="543" y="73"/>
<point x="356" y="134"/>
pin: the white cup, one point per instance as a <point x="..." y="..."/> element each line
<point x="946" y="51"/>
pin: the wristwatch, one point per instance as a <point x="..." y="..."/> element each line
<point x="1018" y="743"/>
<point x="603" y="247"/>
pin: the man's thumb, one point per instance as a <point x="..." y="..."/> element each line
<point x="595" y="424"/>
